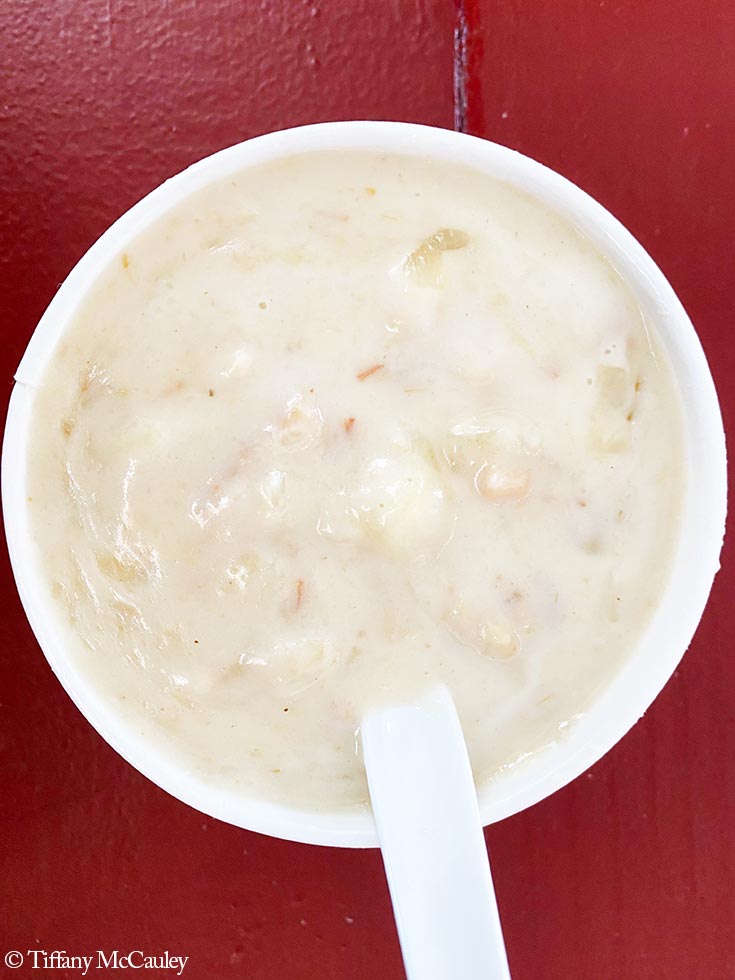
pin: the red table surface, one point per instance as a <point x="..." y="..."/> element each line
<point x="630" y="871"/>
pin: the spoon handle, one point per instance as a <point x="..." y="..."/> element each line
<point x="436" y="862"/>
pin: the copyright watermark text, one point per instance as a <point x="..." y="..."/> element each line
<point x="60" y="959"/>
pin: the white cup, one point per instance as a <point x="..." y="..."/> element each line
<point x="699" y="538"/>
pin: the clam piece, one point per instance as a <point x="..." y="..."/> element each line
<point x="301" y="426"/>
<point x="494" y="450"/>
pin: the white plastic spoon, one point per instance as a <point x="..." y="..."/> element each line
<point x="425" y="808"/>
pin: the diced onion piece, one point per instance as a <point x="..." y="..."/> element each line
<point x="482" y="438"/>
<point x="241" y="570"/>
<point x="423" y="265"/>
<point x="492" y="638"/>
<point x="272" y="490"/>
<point x="242" y="361"/>
<point x="497" y="641"/>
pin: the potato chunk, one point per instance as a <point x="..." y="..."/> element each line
<point x="295" y="663"/>
<point x="397" y="499"/>
<point x="611" y="421"/>
<point x="498" y="482"/>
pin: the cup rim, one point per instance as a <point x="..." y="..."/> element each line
<point x="695" y="562"/>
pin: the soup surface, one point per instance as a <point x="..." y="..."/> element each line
<point x="336" y="429"/>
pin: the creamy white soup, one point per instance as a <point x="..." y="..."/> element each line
<point x="337" y="429"/>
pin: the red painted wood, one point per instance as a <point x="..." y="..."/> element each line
<point x="629" y="874"/>
<point x="100" y="101"/>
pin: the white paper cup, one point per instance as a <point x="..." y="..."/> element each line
<point x="699" y="539"/>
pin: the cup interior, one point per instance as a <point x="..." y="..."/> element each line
<point x="699" y="537"/>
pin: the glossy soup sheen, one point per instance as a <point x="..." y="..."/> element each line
<point x="339" y="428"/>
